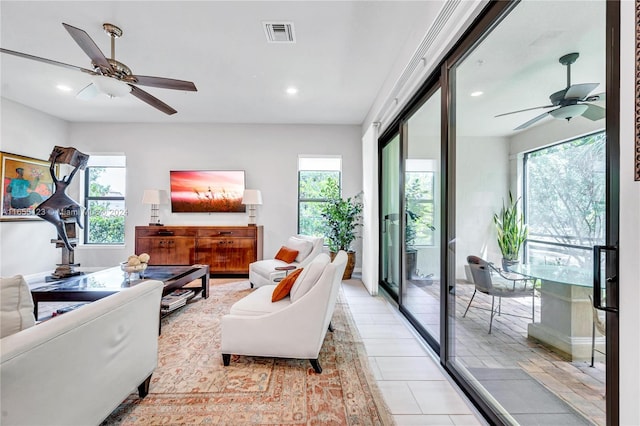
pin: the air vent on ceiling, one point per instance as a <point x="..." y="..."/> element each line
<point x="279" y="32"/>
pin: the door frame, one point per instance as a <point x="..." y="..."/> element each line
<point x="613" y="207"/>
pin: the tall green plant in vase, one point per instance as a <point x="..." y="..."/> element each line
<point x="512" y="232"/>
<point x="342" y="219"/>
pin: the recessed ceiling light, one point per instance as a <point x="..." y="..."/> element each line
<point x="477" y="93"/>
<point x="63" y="88"/>
<point x="292" y="90"/>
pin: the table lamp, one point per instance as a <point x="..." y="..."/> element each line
<point x="252" y="198"/>
<point x="152" y="197"/>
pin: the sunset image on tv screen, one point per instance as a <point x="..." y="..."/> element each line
<point x="207" y="191"/>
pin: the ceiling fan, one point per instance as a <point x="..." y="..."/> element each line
<point x="570" y="102"/>
<point x="110" y="76"/>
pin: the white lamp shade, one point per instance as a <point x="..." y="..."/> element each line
<point x="110" y="86"/>
<point x="569" y="111"/>
<point x="151" y="196"/>
<point x="252" y="196"/>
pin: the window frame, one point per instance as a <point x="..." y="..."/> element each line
<point x="301" y="200"/>
<point x="526" y="203"/>
<point x="425" y="201"/>
<point x="87" y="198"/>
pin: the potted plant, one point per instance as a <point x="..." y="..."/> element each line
<point x="512" y="232"/>
<point x="342" y="218"/>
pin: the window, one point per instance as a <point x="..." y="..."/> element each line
<point x="419" y="194"/>
<point x="314" y="177"/>
<point x="104" y="199"/>
<point x="564" y="201"/>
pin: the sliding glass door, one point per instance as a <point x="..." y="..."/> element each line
<point x="528" y="202"/>
<point x="421" y="292"/>
<point x="499" y="212"/>
<point x="390" y="223"/>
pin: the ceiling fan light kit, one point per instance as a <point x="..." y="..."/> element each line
<point x="110" y="86"/>
<point x="569" y="111"/>
<point x="569" y="102"/>
<point x="110" y="76"/>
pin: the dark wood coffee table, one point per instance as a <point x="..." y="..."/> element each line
<point x="94" y="286"/>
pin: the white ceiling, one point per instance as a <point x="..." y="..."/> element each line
<point x="516" y="66"/>
<point x="343" y="54"/>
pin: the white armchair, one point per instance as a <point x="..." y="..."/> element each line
<point x="294" y="327"/>
<point x="263" y="272"/>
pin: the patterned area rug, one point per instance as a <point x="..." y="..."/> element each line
<point x="191" y="386"/>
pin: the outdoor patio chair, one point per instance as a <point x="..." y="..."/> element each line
<point x="498" y="283"/>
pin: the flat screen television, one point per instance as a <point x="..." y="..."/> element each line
<point x="207" y="191"/>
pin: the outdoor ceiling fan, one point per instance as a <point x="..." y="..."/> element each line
<point x="110" y="76"/>
<point x="570" y="102"/>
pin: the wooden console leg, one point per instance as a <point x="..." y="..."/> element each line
<point x="316" y="365"/>
<point x="143" y="389"/>
<point x="226" y="359"/>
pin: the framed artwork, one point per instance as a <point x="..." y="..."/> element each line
<point x="26" y="182"/>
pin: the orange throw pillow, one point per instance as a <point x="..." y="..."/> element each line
<point x="286" y="254"/>
<point x="284" y="287"/>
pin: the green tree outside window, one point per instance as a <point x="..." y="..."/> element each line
<point x="105" y="213"/>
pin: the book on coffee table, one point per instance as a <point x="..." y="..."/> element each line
<point x="176" y="299"/>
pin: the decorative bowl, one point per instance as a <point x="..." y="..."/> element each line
<point x="132" y="269"/>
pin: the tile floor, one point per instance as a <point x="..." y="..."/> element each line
<point x="413" y="384"/>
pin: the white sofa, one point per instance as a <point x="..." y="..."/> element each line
<point x="263" y="272"/>
<point x="75" y="369"/>
<point x="294" y="327"/>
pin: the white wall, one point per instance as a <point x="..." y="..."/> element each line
<point x="267" y="153"/>
<point x="25" y="246"/>
<point x="629" y="276"/>
<point x="370" y="220"/>
<point x="482" y="182"/>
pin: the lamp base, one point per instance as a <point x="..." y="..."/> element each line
<point x="156" y="224"/>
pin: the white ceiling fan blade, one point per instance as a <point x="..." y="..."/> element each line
<point x="594" y="112"/>
<point x="580" y="91"/>
<point x="523" y="110"/>
<point x="532" y="121"/>
<point x="87" y="93"/>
